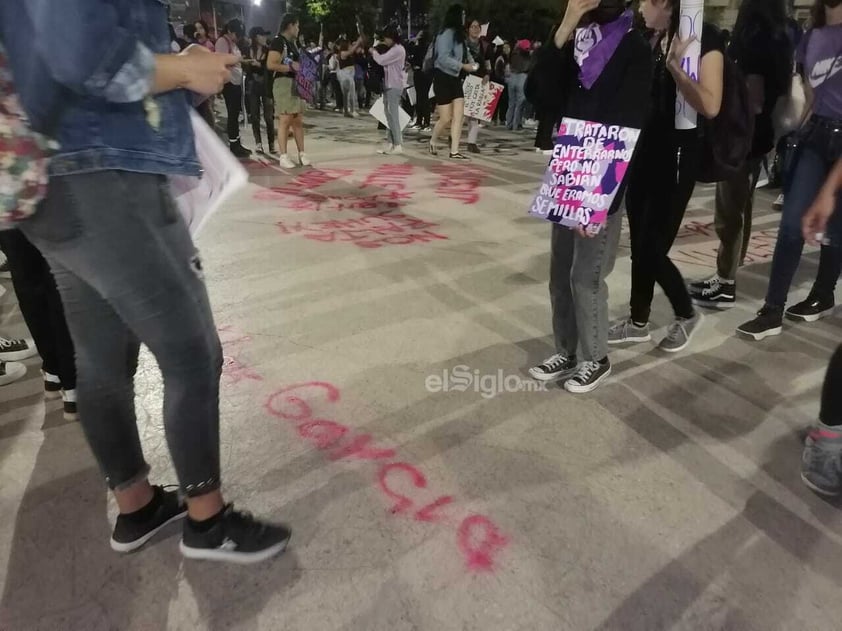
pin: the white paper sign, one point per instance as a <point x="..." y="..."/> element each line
<point x="692" y="17"/>
<point x="222" y="176"/>
<point x="481" y="98"/>
<point x="378" y="110"/>
<point x="483" y="30"/>
<point x="498" y="41"/>
<point x="411" y="95"/>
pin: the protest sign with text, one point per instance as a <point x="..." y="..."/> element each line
<point x="589" y="163"/>
<point x="481" y="98"/>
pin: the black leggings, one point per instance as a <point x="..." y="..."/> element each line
<point x="233" y="95"/>
<point x="41" y="306"/>
<point x="260" y="99"/>
<point x="661" y="183"/>
<point x="423" y="106"/>
<point x="831" y="412"/>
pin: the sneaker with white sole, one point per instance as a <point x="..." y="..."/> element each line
<point x="769" y="321"/>
<point x="553" y="368"/>
<point x="718" y="294"/>
<point x="812" y="309"/>
<point x="680" y="333"/>
<point x="236" y="537"/>
<point x="587" y="377"/>
<point x="131" y="534"/>
<point x="285" y="162"/>
<point x="627" y="332"/>
<point x="385" y="150"/>
<point x="778" y="204"/>
<point x="68" y="397"/>
<point x="305" y="160"/>
<point x="821" y="460"/>
<point x="11" y="372"/>
<point x="16" y="350"/>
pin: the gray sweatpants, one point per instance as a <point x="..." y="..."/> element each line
<point x="128" y="274"/>
<point x="578" y="291"/>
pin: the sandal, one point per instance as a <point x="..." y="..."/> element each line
<point x="458" y="156"/>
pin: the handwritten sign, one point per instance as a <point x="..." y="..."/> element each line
<point x="481" y="98"/>
<point x="692" y="17"/>
<point x="589" y="163"/>
<point x="307" y="76"/>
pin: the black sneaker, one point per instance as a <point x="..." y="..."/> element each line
<point x="556" y="367"/>
<point x="52" y="389"/>
<point x="473" y="148"/>
<point x="769" y="321"/>
<point x="129" y="535"/>
<point x="69" y="402"/>
<point x="588" y="377"/>
<point x="237" y="537"/>
<point x="811" y="309"/>
<point x="238" y="150"/>
<point x="700" y="285"/>
<point x="16" y="350"/>
<point x="718" y="295"/>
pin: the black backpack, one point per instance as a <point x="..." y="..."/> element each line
<point x="727" y="139"/>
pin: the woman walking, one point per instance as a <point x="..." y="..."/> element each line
<point x="452" y="61"/>
<point x="663" y="176"/>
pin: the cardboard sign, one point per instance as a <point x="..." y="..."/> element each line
<point x="307" y="77"/>
<point x="692" y="17"/>
<point x="589" y="164"/>
<point x="378" y="110"/>
<point x="481" y="98"/>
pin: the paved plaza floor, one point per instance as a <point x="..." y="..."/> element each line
<point x="378" y="316"/>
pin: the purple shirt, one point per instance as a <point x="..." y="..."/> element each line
<point x="393" y="61"/>
<point x="821" y="53"/>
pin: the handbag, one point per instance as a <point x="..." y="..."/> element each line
<point x="24" y="155"/>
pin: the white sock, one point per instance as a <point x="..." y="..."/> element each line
<point x="69" y="395"/>
<point x="51" y="378"/>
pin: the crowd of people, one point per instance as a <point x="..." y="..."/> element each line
<point x="99" y="272"/>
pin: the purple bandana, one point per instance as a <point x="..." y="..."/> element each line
<point x="594" y="46"/>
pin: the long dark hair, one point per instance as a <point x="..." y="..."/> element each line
<point x="818" y="15"/>
<point x="764" y="20"/>
<point x="453" y="19"/>
<point x="756" y="14"/>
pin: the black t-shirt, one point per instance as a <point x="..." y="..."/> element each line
<point x="760" y="50"/>
<point x="289" y="53"/>
<point x="664" y="88"/>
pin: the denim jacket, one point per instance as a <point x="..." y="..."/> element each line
<point x="84" y="70"/>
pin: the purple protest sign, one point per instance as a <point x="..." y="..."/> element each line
<point x="307" y="77"/>
<point x="589" y="163"/>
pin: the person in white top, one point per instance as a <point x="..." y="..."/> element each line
<point x="233" y="90"/>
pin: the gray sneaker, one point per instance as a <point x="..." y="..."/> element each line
<point x="821" y="460"/>
<point x="627" y="332"/>
<point x="680" y="333"/>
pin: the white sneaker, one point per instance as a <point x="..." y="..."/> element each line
<point x="11" y="372"/>
<point x="305" y="161"/>
<point x="397" y="150"/>
<point x="286" y="163"/>
<point x="355" y="115"/>
<point x="385" y="150"/>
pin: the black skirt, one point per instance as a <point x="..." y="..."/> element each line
<point x="447" y="88"/>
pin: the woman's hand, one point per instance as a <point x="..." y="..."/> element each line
<point x="814" y="223"/>
<point x="576" y="10"/>
<point x="676" y="51"/>
<point x="469" y="67"/>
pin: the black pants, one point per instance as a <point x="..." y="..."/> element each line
<point x="41" y="306"/>
<point x="502" y="105"/>
<point x="831" y="411"/>
<point x="233" y="95"/>
<point x="423" y="107"/>
<point x="260" y="99"/>
<point x="544" y="136"/>
<point x="337" y="92"/>
<point x="661" y="183"/>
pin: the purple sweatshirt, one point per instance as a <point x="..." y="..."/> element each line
<point x="393" y="61"/>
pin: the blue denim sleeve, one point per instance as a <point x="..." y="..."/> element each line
<point x="445" y="60"/>
<point x="95" y="54"/>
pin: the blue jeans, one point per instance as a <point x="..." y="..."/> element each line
<point x="517" y="99"/>
<point x="810" y="172"/>
<point x="128" y="273"/>
<point x="392" y="105"/>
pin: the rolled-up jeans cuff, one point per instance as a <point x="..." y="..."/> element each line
<point x="116" y="485"/>
<point x="201" y="488"/>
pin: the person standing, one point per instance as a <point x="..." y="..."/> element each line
<point x="664" y="174"/>
<point x="819" y="146"/>
<point x="421" y="79"/>
<point x="260" y="93"/>
<point x="477" y="48"/>
<point x="516" y="82"/>
<point x="501" y="76"/>
<point x="452" y="61"/>
<point x="760" y="48"/>
<point x="347" y="75"/>
<point x="229" y="44"/>
<point x="122" y="256"/>
<point x="283" y="61"/>
<point x="393" y="61"/>
<point x="580" y="262"/>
